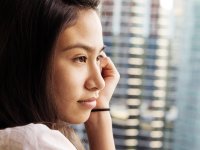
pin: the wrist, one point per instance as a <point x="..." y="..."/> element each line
<point x="102" y="103"/>
<point x="98" y="118"/>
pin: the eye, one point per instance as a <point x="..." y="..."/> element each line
<point x="80" y="59"/>
<point x="99" y="57"/>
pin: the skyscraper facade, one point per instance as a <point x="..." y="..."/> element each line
<point x="187" y="125"/>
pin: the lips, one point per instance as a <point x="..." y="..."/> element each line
<point x="87" y="100"/>
<point x="88" y="103"/>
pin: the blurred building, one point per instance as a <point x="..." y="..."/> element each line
<point x="138" y="34"/>
<point x="187" y="126"/>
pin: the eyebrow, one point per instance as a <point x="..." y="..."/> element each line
<point x="83" y="46"/>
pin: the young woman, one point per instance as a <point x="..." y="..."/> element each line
<point x="54" y="73"/>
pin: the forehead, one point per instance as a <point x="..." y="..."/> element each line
<point x="87" y="30"/>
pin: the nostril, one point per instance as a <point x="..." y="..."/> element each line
<point x="95" y="83"/>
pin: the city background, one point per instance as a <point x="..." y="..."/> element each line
<point x="155" y="47"/>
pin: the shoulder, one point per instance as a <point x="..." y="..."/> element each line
<point x="33" y="136"/>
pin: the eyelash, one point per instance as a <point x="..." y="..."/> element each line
<point x="82" y="59"/>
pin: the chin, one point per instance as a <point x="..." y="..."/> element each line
<point x="83" y="120"/>
<point x="77" y="119"/>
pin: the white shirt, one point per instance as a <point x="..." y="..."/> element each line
<point x="33" y="137"/>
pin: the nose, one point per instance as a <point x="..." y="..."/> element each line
<point x="95" y="80"/>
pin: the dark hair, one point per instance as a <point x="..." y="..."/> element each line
<point x="28" y="33"/>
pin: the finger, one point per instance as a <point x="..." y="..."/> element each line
<point x="104" y="54"/>
<point x="108" y="68"/>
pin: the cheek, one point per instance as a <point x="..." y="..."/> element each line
<point x="73" y="78"/>
<point x="69" y="82"/>
<point x="69" y="78"/>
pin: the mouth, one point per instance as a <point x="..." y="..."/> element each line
<point x="88" y="103"/>
<point x="87" y="100"/>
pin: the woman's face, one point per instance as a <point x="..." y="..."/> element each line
<point x="77" y="72"/>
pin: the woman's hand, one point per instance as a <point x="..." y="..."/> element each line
<point x="111" y="78"/>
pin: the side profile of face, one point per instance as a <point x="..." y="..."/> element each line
<point x="77" y="71"/>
